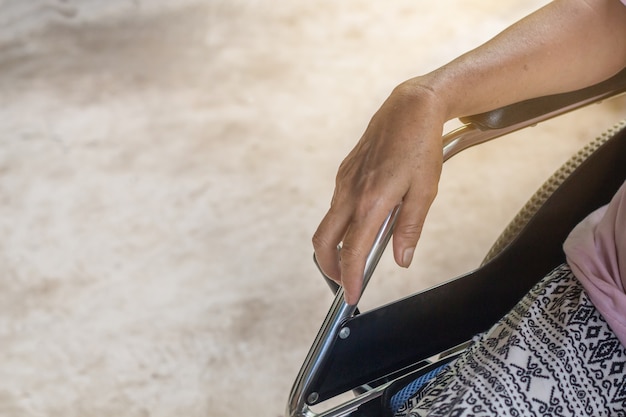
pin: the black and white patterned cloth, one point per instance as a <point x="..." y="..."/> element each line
<point x="552" y="355"/>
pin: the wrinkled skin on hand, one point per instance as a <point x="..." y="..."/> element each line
<point x="564" y="46"/>
<point x="397" y="160"/>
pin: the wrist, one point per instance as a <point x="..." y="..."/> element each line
<point x="423" y="91"/>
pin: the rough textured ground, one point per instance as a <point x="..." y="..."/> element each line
<point x="163" y="165"/>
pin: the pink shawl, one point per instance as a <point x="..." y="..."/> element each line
<point x="596" y="253"/>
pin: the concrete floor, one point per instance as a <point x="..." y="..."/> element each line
<point x="164" y="164"/>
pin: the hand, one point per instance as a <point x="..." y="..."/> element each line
<point x="397" y="160"/>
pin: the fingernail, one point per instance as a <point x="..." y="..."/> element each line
<point x="407" y="257"/>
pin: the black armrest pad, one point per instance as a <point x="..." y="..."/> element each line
<point x="529" y="109"/>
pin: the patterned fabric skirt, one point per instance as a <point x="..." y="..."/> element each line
<point x="552" y="355"/>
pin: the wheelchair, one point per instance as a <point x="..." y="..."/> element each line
<point x="372" y="356"/>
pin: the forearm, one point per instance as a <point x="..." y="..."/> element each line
<point x="567" y="45"/>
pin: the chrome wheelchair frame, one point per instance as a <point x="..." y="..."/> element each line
<point x="346" y="339"/>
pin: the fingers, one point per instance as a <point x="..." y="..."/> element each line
<point x="355" y="222"/>
<point x="356" y="233"/>
<point x="409" y="226"/>
<point x="417" y="200"/>
<point x="325" y="240"/>
<point x="356" y="246"/>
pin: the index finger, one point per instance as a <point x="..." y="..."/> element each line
<point x="357" y="244"/>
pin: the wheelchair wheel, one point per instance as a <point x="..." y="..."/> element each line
<point x="539" y="198"/>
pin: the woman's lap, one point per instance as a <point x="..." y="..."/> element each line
<point x="553" y="354"/>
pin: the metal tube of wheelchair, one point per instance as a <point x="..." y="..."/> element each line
<point x="331" y="328"/>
